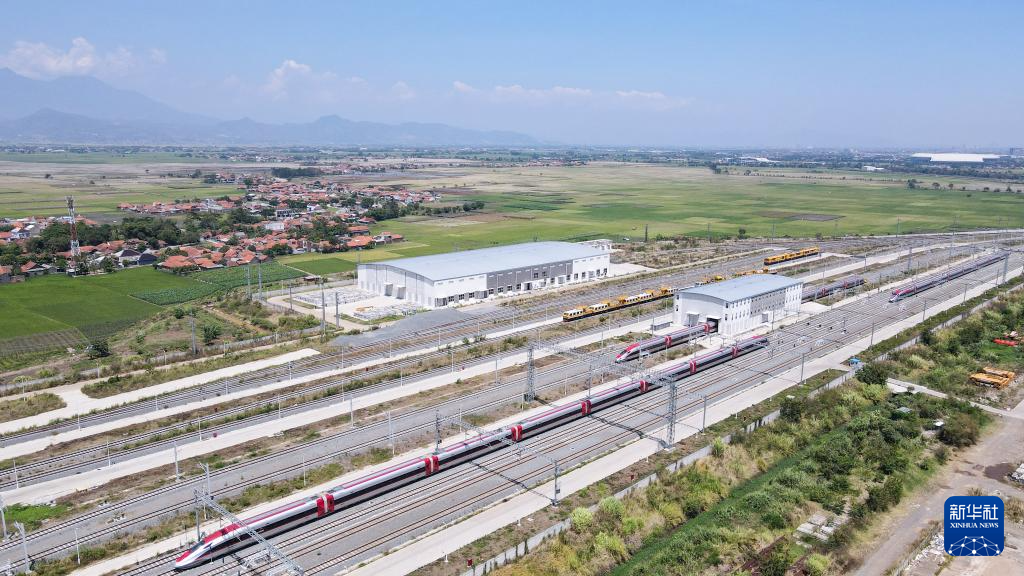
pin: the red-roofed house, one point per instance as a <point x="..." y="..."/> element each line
<point x="31" y="268"/>
<point x="175" y="262"/>
<point x="359" y="242"/>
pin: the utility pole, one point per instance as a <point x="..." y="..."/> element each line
<point x="206" y="471"/>
<point x="259" y="276"/>
<point x="323" y="311"/>
<point x="704" y="419"/>
<point x="437" y="431"/>
<point x="531" y="392"/>
<point x="391" y="435"/>
<point x="24" y="546"/>
<point x="177" y="474"/>
<point x="192" y="323"/>
<point x="670" y="416"/>
<point x="78" y="547"/>
<point x="3" y="516"/>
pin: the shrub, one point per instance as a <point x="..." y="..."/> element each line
<point x="99" y="348"/>
<point x="612" y="544"/>
<point x="774" y="520"/>
<point x="210" y="333"/>
<point x="718" y="448"/>
<point x="612" y="506"/>
<point x="876" y="373"/>
<point x="817" y="564"/>
<point x="791" y="410"/>
<point x="959" y="430"/>
<point x="581" y="518"/>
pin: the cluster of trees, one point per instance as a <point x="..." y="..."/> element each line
<point x="289" y="173"/>
<point x="57" y="237"/>
<point x="390" y="210"/>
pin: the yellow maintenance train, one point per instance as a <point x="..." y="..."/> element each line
<point x="780" y="258"/>
<point x="616" y="304"/>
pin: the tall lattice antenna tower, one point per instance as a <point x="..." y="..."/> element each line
<point x="75" y="251"/>
<point x="74" y="227"/>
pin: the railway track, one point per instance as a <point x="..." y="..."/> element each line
<point x="864" y="318"/>
<point x="35" y="471"/>
<point x="450" y="333"/>
<point x="67" y="525"/>
<point x="353" y="522"/>
<point x="453" y="334"/>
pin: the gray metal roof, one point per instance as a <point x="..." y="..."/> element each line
<point x="742" y="287"/>
<point x="488" y="260"/>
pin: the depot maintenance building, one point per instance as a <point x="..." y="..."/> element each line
<point x="472" y="275"/>
<point x="739" y="305"/>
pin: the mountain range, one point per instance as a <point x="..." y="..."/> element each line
<point x="86" y="110"/>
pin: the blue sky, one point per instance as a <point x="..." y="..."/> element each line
<point x="938" y="74"/>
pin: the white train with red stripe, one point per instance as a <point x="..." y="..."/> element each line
<point x="232" y="537"/>
<point x="918" y="286"/>
<point x="659" y="343"/>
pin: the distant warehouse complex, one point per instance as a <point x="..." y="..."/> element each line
<point x="740" y="304"/>
<point x="443" y="279"/>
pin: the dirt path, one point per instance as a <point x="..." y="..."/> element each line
<point x="978" y="466"/>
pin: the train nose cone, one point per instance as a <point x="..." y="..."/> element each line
<point x="184" y="561"/>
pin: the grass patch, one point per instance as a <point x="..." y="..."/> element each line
<point x="228" y="278"/>
<point x="33" y="516"/>
<point x="29" y="406"/>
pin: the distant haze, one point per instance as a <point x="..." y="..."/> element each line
<point x="933" y="75"/>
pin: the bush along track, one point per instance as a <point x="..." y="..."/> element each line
<point x="837" y="459"/>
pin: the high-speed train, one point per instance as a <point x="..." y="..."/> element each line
<point x="234" y="537"/>
<point x="815" y="292"/>
<point x="659" y="343"/>
<point x="923" y="284"/>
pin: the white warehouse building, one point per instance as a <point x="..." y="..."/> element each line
<point x="739" y="305"/>
<point x="443" y="279"/>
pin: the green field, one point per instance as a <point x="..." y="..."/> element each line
<point x="324" y="265"/>
<point x="36" y="195"/>
<point x="617" y="200"/>
<point x="98" y="157"/>
<point x="604" y="200"/>
<point x="93" y="306"/>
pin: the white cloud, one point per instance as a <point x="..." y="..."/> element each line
<point x="463" y="88"/>
<point x="294" y="78"/>
<point x="516" y="92"/>
<point x="40" y="60"/>
<point x="401" y="91"/>
<point x="573" y="96"/>
<point x="158" y="55"/>
<point x="656" y="100"/>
